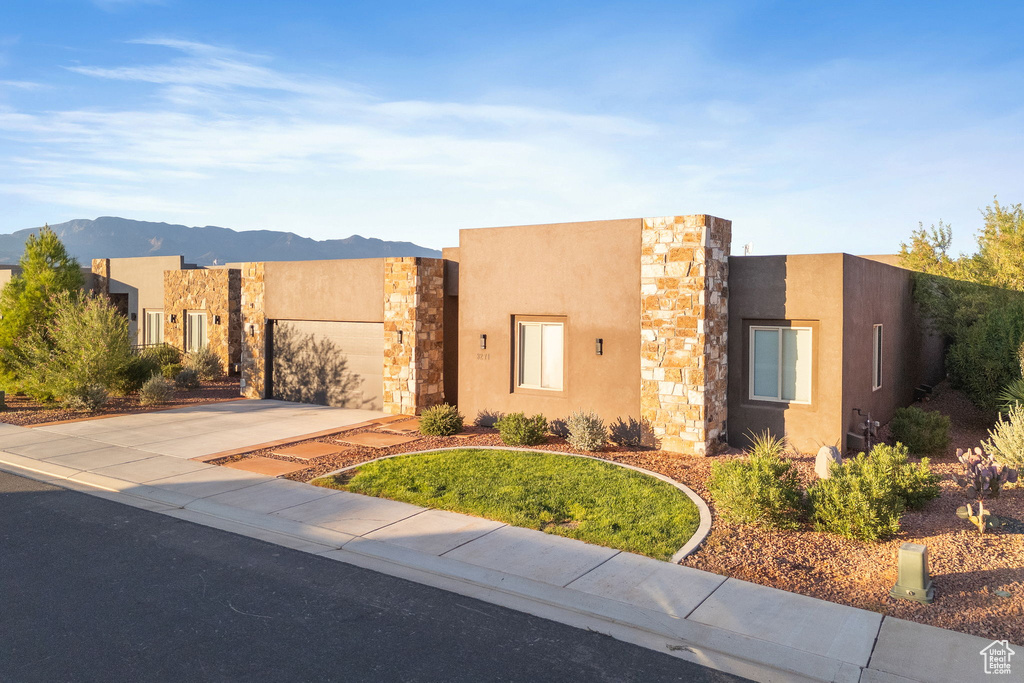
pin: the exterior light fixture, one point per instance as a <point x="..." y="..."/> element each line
<point x="135" y="316"/>
<point x="914" y="583"/>
<point x="400" y="336"/>
<point x="252" y="330"/>
<point x="174" y="318"/>
<point x="216" y="320"/>
<point x="483" y="341"/>
<point x="599" y="347"/>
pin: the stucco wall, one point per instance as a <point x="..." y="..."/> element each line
<point x="588" y="273"/>
<point x="142" y="279"/>
<point x="342" y="290"/>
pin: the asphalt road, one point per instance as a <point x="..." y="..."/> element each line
<point x="91" y="590"/>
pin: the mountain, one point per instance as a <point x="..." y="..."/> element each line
<point x="110" y="237"/>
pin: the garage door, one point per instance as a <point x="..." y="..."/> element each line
<point x="328" y="363"/>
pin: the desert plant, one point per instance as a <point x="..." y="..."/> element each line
<point x="1012" y="394"/>
<point x="916" y="484"/>
<point x="762" y="489"/>
<point x="586" y="431"/>
<point x="171" y="370"/>
<point x="857" y="501"/>
<point x="766" y="445"/>
<point x="1006" y="438"/>
<point x="518" y="430"/>
<point x="156" y="389"/>
<point x="187" y="379"/>
<point x="442" y="420"/>
<point x="138" y="370"/>
<point x="922" y="431"/>
<point x="980" y="520"/>
<point x="163" y="354"/>
<point x="488" y="418"/>
<point x="985" y="476"/>
<point x="87" y="398"/>
<point x="205" y="362"/>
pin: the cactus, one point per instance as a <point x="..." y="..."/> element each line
<point x="984" y="475"/>
<point x="979" y="520"/>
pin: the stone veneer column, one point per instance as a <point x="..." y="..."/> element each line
<point x="684" y="266"/>
<point x="414" y="306"/>
<point x="254" y="323"/>
<point x="216" y="291"/>
<point x="101" y="275"/>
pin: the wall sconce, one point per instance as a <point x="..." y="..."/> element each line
<point x="599" y="347"/>
<point x="252" y="330"/>
<point x="400" y="336"/>
<point x="174" y="318"/>
<point x="483" y="341"/>
<point x="216" y="320"/>
<point x="135" y="316"/>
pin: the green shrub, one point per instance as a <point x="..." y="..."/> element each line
<point x="915" y="483"/>
<point x="762" y="489"/>
<point x="518" y="430"/>
<point x="985" y="356"/>
<point x="88" y="398"/>
<point x="163" y="354"/>
<point x="170" y="370"/>
<point x="187" y="379"/>
<point x="586" y="431"/>
<point x="205" y="362"/>
<point x="156" y="390"/>
<point x="1012" y="394"/>
<point x="922" y="431"/>
<point x="1006" y="439"/>
<point x="442" y="420"/>
<point x="138" y="370"/>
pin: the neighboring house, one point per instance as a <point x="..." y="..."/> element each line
<point x="647" y="322"/>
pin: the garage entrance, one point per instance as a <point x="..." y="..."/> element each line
<point x="328" y="363"/>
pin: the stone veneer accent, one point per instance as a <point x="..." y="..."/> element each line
<point x="101" y="275"/>
<point x="218" y="293"/>
<point x="684" y="262"/>
<point x="414" y="306"/>
<point x="254" y="323"/>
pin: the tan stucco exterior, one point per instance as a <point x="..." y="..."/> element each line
<point x="142" y="279"/>
<point x="341" y="290"/>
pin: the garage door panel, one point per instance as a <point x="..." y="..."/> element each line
<point x="329" y="363"/>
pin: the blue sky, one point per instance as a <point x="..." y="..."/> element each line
<point x="817" y="126"/>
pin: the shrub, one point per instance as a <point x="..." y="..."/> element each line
<point x="155" y="390"/>
<point x="135" y="374"/>
<point x="518" y="430"/>
<point x="586" y="431"/>
<point x="187" y="379"/>
<point x="762" y="489"/>
<point x="985" y="356"/>
<point x="922" y="431"/>
<point x="915" y="483"/>
<point x="442" y="420"/>
<point x="87" y="398"/>
<point x="487" y="418"/>
<point x="170" y="370"/>
<point x="1006" y="439"/>
<point x="205" y="362"/>
<point x="1012" y="394"/>
<point x="163" y="354"/>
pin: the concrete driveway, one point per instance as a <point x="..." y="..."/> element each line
<point x="196" y="431"/>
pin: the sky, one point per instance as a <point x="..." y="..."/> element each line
<point x="813" y="126"/>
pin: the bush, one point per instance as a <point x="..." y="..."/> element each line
<point x="1012" y="394"/>
<point x="1006" y="439"/>
<point x="187" y="379"/>
<point x="922" y="431"/>
<point x="762" y="489"/>
<point x="205" y="362"/>
<point x="518" y="430"/>
<point x="985" y="356"/>
<point x="442" y="420"/>
<point x="163" y="354"/>
<point x="88" y="398"/>
<point x="864" y="498"/>
<point x="586" y="431"/>
<point x="170" y="370"/>
<point x="135" y="374"/>
<point x="155" y="390"/>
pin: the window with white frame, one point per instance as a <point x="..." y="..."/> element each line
<point x="195" y="332"/>
<point x="539" y="355"/>
<point x="154" y="327"/>
<point x="780" y="364"/>
<point x="876" y="364"/>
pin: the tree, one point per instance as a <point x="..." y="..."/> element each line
<point x="26" y="302"/>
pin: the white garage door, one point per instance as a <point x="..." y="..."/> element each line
<point x="328" y="363"/>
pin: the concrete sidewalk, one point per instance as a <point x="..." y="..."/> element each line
<point x="742" y="628"/>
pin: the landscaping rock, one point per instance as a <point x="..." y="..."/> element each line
<point x="823" y="461"/>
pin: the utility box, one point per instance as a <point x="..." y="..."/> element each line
<point x="914" y="581"/>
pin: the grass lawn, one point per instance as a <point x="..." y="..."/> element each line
<point x="585" y="499"/>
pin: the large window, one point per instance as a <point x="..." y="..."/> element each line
<point x="539" y="355"/>
<point x="195" y="332"/>
<point x="876" y="364"/>
<point x="780" y="364"/>
<point x="154" y="327"/>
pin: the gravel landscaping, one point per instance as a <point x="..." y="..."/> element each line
<point x="979" y="579"/>
<point x="24" y="411"/>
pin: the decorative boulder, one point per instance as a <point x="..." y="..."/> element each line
<point x="823" y="461"/>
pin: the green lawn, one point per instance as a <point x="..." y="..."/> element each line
<point x="580" y="498"/>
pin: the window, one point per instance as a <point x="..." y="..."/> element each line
<point x="539" y="355"/>
<point x="780" y="364"/>
<point x="876" y="378"/>
<point x="154" y="327"/>
<point x="195" y="332"/>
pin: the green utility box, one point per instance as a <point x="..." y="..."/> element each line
<point x="914" y="582"/>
